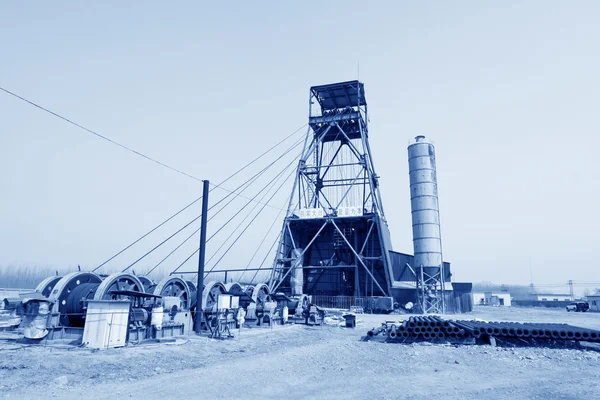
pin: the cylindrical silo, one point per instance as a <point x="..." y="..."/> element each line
<point x="427" y="239"/>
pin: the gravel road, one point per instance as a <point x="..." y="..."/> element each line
<point x="296" y="362"/>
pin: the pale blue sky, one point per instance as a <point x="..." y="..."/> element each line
<point x="507" y="90"/>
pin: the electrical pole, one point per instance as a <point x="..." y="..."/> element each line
<point x="571" y="293"/>
<point x="201" y="256"/>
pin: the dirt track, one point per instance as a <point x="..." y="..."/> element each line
<point x="301" y="362"/>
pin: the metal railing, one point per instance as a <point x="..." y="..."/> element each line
<point x="341" y="302"/>
<point x="352" y="302"/>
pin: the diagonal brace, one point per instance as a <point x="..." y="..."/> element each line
<point x="358" y="257"/>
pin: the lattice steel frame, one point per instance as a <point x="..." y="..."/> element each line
<point x="430" y="290"/>
<point x="337" y="114"/>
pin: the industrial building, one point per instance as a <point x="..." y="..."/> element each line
<point x="594" y="302"/>
<point x="492" y="299"/>
<point x="551" y="297"/>
<point x="335" y="239"/>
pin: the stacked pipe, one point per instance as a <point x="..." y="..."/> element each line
<point x="433" y="328"/>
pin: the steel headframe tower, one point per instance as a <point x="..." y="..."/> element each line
<point x="334" y="239"/>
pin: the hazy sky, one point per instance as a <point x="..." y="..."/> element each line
<point x="508" y="91"/>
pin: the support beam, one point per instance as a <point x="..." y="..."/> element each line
<point x="301" y="255"/>
<point x="359" y="258"/>
<point x="201" y="258"/>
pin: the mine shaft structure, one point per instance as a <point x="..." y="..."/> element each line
<point x="335" y="239"/>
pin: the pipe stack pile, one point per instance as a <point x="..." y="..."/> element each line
<point x="436" y="329"/>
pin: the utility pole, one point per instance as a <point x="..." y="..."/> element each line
<point x="530" y="273"/>
<point x="201" y="256"/>
<point x="571" y="293"/>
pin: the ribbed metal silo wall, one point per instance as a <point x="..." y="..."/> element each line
<point x="427" y="240"/>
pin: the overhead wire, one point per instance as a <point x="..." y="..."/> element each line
<point x="241" y="233"/>
<point x="265" y="258"/>
<point x="253" y="179"/>
<point x="259" y="246"/>
<point x="149" y="158"/>
<point x="146" y="234"/>
<point x="243" y="187"/>
<point x="296" y="144"/>
<point x="246" y="184"/>
<point x="161" y="243"/>
<point x="173" y="251"/>
<point x="233" y="217"/>
<point x="101" y="136"/>
<point x="251" y="221"/>
<point x="198" y="217"/>
<point x="271" y="184"/>
<point x="138" y="153"/>
<point x="277" y="218"/>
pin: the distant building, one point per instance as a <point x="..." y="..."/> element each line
<point x="550" y="297"/>
<point x="594" y="302"/>
<point x="492" y="299"/>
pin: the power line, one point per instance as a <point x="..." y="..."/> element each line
<point x="231" y="192"/>
<point x="273" y="184"/>
<point x="138" y="153"/>
<point x="173" y="251"/>
<point x="135" y="151"/>
<point x="266" y="255"/>
<point x="101" y="136"/>
<point x="147" y="233"/>
<point x="236" y="214"/>
<point x="257" y="175"/>
<point x="247" y="184"/>
<point x="262" y="242"/>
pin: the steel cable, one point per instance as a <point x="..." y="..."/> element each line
<point x="228" y="221"/>
<point x="199" y="198"/>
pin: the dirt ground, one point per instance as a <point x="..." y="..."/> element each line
<point x="296" y="361"/>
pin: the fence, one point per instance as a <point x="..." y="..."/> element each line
<point x="346" y="302"/>
<point x="342" y="302"/>
<point x="540" y="303"/>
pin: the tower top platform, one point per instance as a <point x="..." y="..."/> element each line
<point x="340" y="95"/>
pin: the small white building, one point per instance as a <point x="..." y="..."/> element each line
<point x="491" y="299"/>
<point x="594" y="302"/>
<point x="551" y="297"/>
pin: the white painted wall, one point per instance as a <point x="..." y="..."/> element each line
<point x="492" y="298"/>
<point x="553" y="297"/>
<point x="594" y="302"/>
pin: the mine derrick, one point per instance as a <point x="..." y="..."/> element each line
<point x="334" y="242"/>
<point x="335" y="238"/>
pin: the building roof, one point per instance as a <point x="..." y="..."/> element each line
<point x="493" y="292"/>
<point x="552" y="294"/>
<point x="340" y="95"/>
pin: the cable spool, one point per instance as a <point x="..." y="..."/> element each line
<point x="76" y="303"/>
<point x="193" y="293"/>
<point x="148" y="283"/>
<point x="60" y="296"/>
<point x="175" y="287"/>
<point x="115" y="282"/>
<point x="45" y="287"/>
<point x="210" y="295"/>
